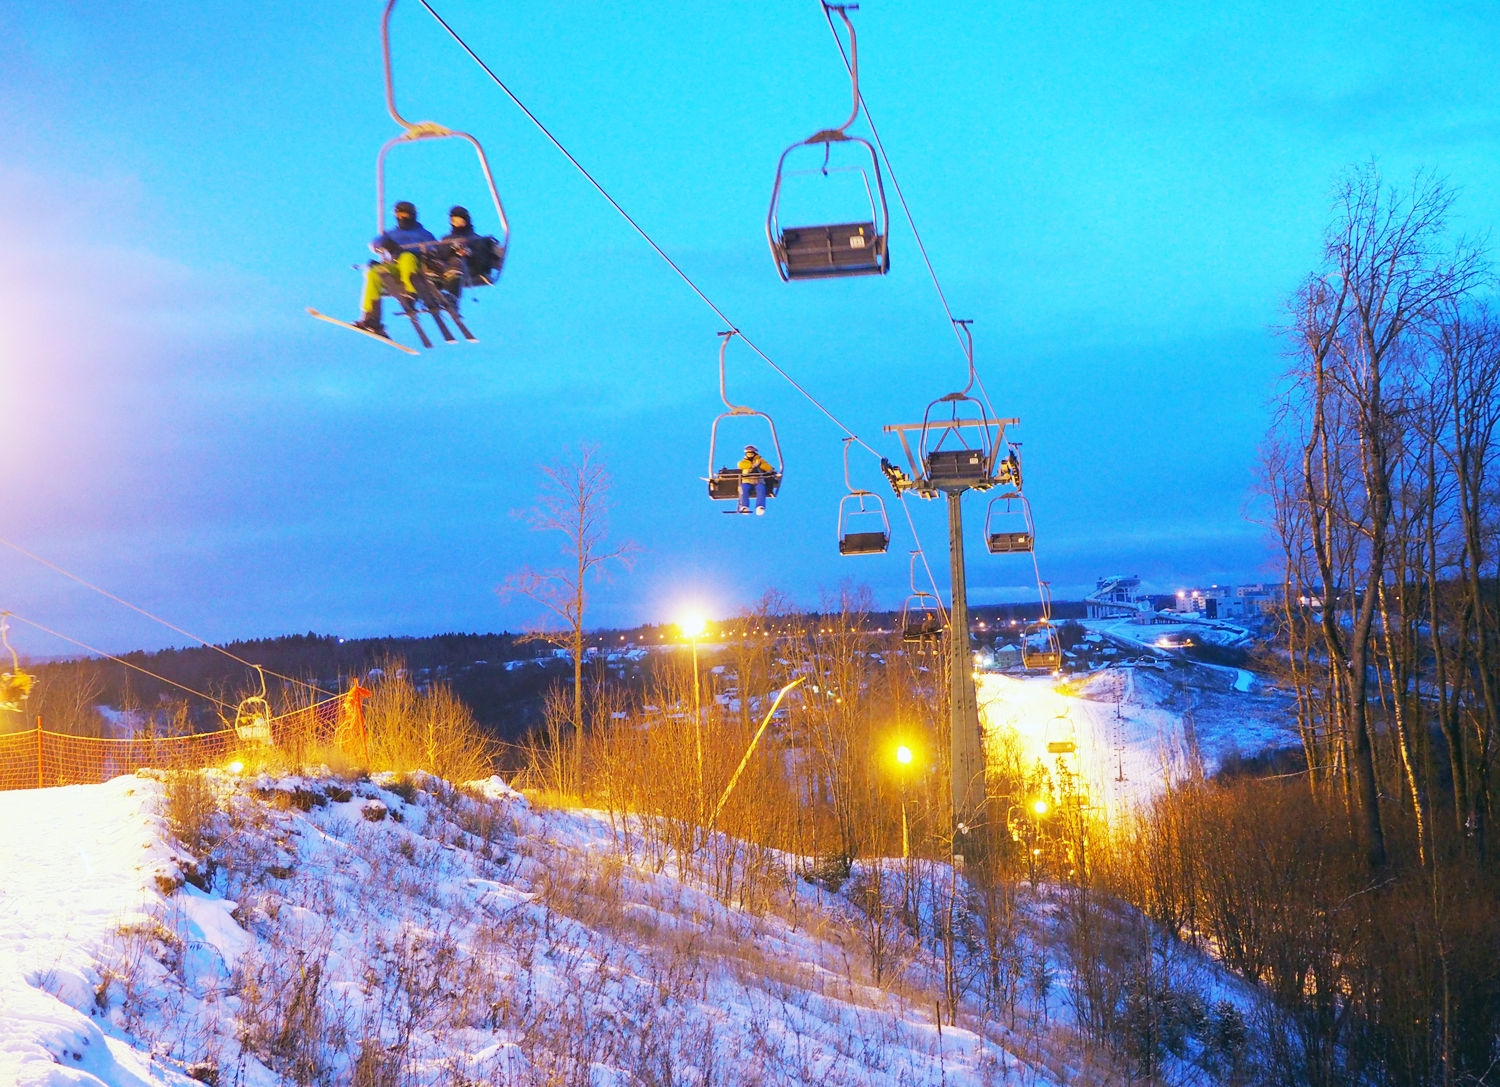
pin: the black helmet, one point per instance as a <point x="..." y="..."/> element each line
<point x="406" y="209"/>
<point x="457" y="212"/>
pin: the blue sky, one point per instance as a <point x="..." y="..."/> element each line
<point x="1120" y="197"/>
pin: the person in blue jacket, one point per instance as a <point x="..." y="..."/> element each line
<point x="403" y="264"/>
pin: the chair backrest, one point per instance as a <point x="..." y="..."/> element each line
<point x="863" y="543"/>
<point x="951" y="467"/>
<point x="840" y="249"/>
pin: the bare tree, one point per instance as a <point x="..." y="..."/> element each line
<point x="573" y="502"/>
<point x="1359" y="324"/>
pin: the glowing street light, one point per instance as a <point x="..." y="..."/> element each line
<point x="692" y="627"/>
<point x="903" y="755"/>
<point x="1040" y="807"/>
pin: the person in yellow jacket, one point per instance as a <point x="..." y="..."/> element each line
<point x="754" y="469"/>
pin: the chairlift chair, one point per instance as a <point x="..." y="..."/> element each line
<point x="957" y="469"/>
<point x="724" y="483"/>
<point x="864" y="541"/>
<point x="921" y="620"/>
<point x="837" y="249"/>
<point x="1009" y="537"/>
<point x="15" y="685"/>
<point x="1047" y="659"/>
<point x="479" y="267"/>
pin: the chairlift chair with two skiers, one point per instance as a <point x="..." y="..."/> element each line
<point x="424" y="274"/>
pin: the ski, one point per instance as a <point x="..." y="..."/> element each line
<point x="462" y="328"/>
<point x="361" y="331"/>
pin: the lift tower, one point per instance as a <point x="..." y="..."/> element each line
<point x="964" y="465"/>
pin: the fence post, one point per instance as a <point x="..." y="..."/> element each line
<point x="38" y="751"/>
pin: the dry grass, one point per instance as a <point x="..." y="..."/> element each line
<point x="431" y="729"/>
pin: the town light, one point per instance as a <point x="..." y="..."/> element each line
<point x="903" y="755"/>
<point x="1040" y="807"/>
<point x="692" y="626"/>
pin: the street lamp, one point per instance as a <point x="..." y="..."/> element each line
<point x="692" y="627"/>
<point x="903" y="758"/>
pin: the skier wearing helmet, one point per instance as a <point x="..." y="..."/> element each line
<point x="753" y="471"/>
<point x="402" y="264"/>
<point x="468" y="255"/>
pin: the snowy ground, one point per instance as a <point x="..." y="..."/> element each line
<point x="1160" y="635"/>
<point x="346" y="932"/>
<point x="1136" y="728"/>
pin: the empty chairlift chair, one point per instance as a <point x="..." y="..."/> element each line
<point x="821" y="251"/>
<point x="864" y="528"/>
<point x="1046" y="657"/>
<point x="857" y="533"/>
<point x="958" y="467"/>
<point x="1008" y="531"/>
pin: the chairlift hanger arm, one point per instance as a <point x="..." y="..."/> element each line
<point x="734" y="409"/>
<point x="843" y="9"/>
<point x="422" y="130"/>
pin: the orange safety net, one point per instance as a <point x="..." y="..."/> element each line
<point x="37" y="758"/>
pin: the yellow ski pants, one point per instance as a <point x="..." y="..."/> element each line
<point x="405" y="266"/>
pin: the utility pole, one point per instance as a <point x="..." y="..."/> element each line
<point x="965" y="738"/>
<point x="951" y="472"/>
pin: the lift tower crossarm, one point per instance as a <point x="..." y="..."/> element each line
<point x="920" y="474"/>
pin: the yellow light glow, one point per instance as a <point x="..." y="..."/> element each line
<point x="903" y="755"/>
<point x="235" y="767"/>
<point x="1040" y="807"/>
<point x="692" y="626"/>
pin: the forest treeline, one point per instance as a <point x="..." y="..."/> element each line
<point x="1362" y="891"/>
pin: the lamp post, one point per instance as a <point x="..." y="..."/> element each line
<point x="903" y="757"/>
<point x="1039" y="808"/>
<point x="692" y="628"/>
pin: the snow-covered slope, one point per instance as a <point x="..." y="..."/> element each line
<point x="328" y="932"/>
<point x="1137" y="727"/>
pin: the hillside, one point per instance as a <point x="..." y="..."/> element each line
<point x="260" y="931"/>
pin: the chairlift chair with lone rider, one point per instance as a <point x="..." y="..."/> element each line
<point x="724" y="482"/>
<point x="922" y="617"/>
<point x="822" y="251"/>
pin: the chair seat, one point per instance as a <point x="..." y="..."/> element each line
<point x="724" y="486"/>
<point x="864" y="543"/>
<point x="1007" y="543"/>
<point x="840" y="249"/>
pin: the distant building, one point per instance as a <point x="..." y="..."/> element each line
<point x="1116" y="597"/>
<point x="1229" y="601"/>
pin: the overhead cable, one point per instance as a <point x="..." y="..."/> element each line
<point x="156" y="618"/>
<point x="910" y="221"/>
<point x="120" y="660"/>
<point x="640" y="230"/>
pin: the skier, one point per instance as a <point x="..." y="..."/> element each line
<point x="403" y="264"/>
<point x="471" y="253"/>
<point x="753" y="470"/>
